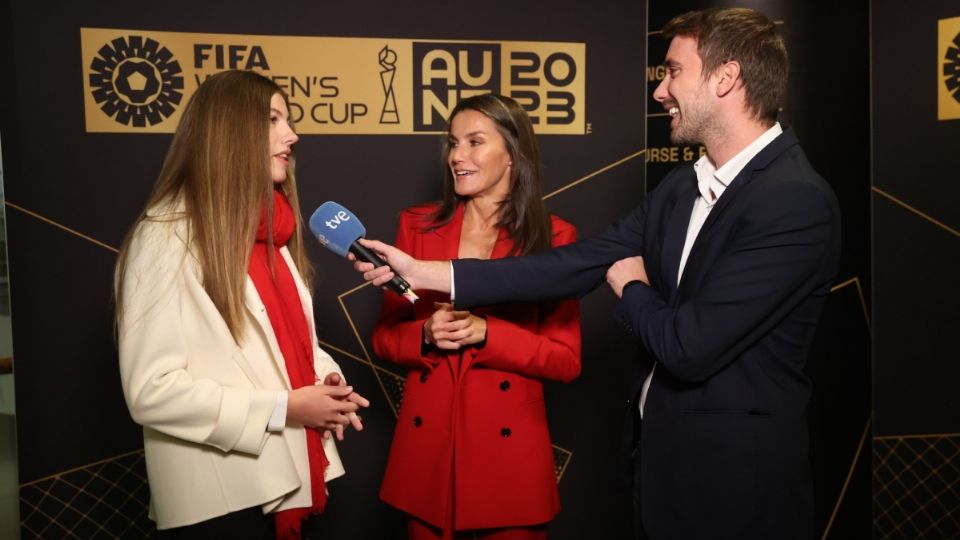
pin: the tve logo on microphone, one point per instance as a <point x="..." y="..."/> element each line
<point x="337" y="219"/>
<point x="336" y="227"/>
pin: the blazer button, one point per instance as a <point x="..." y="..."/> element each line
<point x="504" y="386"/>
<point x="505" y="432"/>
<point x="417" y="421"/>
<point x="423" y="377"/>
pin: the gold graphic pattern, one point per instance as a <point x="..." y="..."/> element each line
<point x="59" y="226"/>
<point x="846" y="481"/>
<point x="595" y="173"/>
<point x="852" y="282"/>
<point x="863" y="301"/>
<point x="926" y="217"/>
<point x="106" y="499"/>
<point x="561" y="458"/>
<point x="393" y="389"/>
<point x="917" y="486"/>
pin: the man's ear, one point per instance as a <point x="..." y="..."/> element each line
<point x="728" y="74"/>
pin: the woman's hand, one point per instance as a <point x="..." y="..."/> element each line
<point x="326" y="406"/>
<point x="450" y="329"/>
<point x="334" y="379"/>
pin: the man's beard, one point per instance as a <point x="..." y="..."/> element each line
<point x="695" y="123"/>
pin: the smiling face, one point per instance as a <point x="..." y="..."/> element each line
<point x="282" y="139"/>
<point x="478" y="157"/>
<point x="685" y="94"/>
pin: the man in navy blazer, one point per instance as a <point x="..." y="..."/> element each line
<point x="721" y="274"/>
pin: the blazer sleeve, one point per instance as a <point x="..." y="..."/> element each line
<point x="570" y="271"/>
<point x="783" y="252"/>
<point x="552" y="352"/>
<point x="398" y="335"/>
<point x="159" y="391"/>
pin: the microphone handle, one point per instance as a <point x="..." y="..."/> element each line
<point x="397" y="284"/>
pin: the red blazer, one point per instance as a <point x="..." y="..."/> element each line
<point x="473" y="422"/>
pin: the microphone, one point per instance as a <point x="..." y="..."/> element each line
<point x="338" y="230"/>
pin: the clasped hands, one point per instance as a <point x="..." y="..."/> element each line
<point x="453" y="329"/>
<point x="329" y="406"/>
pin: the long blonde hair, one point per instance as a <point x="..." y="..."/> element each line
<point x="219" y="166"/>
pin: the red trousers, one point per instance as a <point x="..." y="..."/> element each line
<point x="418" y="530"/>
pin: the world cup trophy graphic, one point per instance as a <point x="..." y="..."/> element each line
<point x="388" y="59"/>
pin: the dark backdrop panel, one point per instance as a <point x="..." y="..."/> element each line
<point x="64" y="183"/>
<point x="827" y="105"/>
<point x="916" y="228"/>
<point x="915" y="162"/>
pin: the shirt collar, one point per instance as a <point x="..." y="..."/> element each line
<point x="706" y="172"/>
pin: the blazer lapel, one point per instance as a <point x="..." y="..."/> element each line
<point x="501" y="249"/>
<point x="444" y="243"/>
<point x="252" y="303"/>
<point x="259" y="313"/>
<point x="745" y="176"/>
<point x="306" y="302"/>
<point x="729" y="198"/>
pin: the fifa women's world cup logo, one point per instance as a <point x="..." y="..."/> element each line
<point x="136" y="81"/>
<point x="388" y="60"/>
<point x="951" y="68"/>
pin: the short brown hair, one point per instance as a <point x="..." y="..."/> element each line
<point x="746" y="36"/>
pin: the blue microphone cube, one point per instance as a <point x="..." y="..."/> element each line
<point x="336" y="227"/>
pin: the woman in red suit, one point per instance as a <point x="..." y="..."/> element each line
<point x="471" y="456"/>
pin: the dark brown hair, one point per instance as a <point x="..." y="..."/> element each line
<point x="745" y="36"/>
<point x="522" y="213"/>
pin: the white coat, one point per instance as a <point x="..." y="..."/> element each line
<point x="203" y="400"/>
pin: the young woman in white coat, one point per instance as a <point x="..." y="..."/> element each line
<point x="218" y="351"/>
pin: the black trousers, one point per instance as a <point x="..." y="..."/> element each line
<point x="635" y="459"/>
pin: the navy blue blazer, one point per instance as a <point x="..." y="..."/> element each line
<point x="723" y="444"/>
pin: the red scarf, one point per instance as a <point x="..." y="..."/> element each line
<point x="279" y="294"/>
